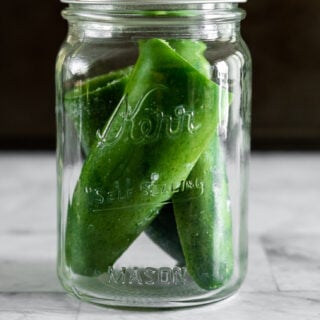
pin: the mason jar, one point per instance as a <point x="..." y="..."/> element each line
<point x="153" y="123"/>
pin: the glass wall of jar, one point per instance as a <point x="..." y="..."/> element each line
<point x="153" y="122"/>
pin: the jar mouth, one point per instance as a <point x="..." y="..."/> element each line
<point x="161" y="12"/>
<point x="149" y="2"/>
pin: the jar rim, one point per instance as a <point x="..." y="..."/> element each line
<point x="148" y="2"/>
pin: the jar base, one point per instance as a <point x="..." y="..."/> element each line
<point x="93" y="291"/>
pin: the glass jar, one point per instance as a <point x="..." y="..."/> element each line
<point x="153" y="121"/>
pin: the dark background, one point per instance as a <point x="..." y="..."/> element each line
<point x="284" y="38"/>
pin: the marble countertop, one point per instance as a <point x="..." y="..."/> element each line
<point x="283" y="280"/>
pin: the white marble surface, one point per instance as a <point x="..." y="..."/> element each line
<point x="283" y="280"/>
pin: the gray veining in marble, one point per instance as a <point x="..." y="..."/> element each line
<point x="295" y="261"/>
<point x="283" y="279"/>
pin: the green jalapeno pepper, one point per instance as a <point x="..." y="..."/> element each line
<point x="160" y="128"/>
